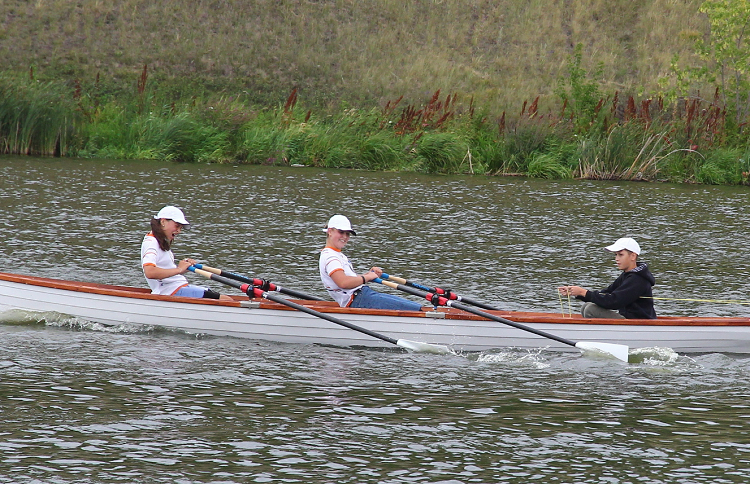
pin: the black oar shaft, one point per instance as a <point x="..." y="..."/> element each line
<point x="299" y="307"/>
<point x="417" y="285"/>
<point x="248" y="280"/>
<point x="250" y="291"/>
<point x="469" y="309"/>
<point x="224" y="280"/>
<point x="298" y="294"/>
<point x="478" y="304"/>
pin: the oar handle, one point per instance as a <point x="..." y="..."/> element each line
<point x="246" y="288"/>
<point x="393" y="278"/>
<point x="406" y="283"/>
<point x="411" y="290"/>
<point x="207" y="268"/>
<point x="230" y="275"/>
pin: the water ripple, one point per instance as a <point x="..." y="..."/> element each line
<point x="89" y="404"/>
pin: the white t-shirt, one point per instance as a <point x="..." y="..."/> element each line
<point x="152" y="255"/>
<point x="332" y="260"/>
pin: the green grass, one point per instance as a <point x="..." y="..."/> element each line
<point x="441" y="136"/>
<point x="358" y="53"/>
<point x="35" y="118"/>
<point x="536" y="88"/>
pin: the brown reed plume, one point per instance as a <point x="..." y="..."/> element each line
<point x="432" y="116"/>
<point x="141" y="89"/>
<point x="288" y="112"/>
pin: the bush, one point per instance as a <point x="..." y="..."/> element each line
<point x="380" y="151"/>
<point x="441" y="153"/>
<point x="722" y="167"/>
<point x="115" y="133"/>
<point x="547" y="165"/>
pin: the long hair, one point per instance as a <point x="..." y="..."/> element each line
<point x="161" y="237"/>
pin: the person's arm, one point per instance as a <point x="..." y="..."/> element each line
<point x="620" y="295"/>
<point x="576" y="291"/>
<point x="153" y="272"/>
<point x="582" y="294"/>
<point x="350" y="282"/>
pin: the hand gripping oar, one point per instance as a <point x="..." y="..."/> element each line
<point x="257" y="292"/>
<point x="262" y="283"/>
<point x="437" y="290"/>
<point x="618" y="351"/>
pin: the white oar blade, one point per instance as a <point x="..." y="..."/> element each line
<point x="618" y="351"/>
<point x="423" y="347"/>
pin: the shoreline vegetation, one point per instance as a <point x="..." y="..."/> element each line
<point x="583" y="127"/>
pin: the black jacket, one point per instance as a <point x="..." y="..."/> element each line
<point x="627" y="294"/>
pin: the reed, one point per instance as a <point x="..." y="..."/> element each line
<point x="35" y="118"/>
<point x="624" y="152"/>
<point x="413" y="137"/>
<point x="267" y="145"/>
<point x="548" y="165"/>
<point x="722" y="167"/>
<point x="118" y="133"/>
<point x="444" y="153"/>
<point x="630" y="140"/>
<point x="381" y="151"/>
<point x="620" y="138"/>
<point x="182" y="138"/>
<point x="526" y="137"/>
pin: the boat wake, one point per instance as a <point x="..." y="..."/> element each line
<point x="20" y="317"/>
<point x="53" y="319"/>
<point x="539" y="357"/>
<point x="654" y="356"/>
<point x="523" y="356"/>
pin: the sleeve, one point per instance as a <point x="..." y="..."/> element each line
<point x="148" y="252"/>
<point x="331" y="264"/>
<point x="624" y="291"/>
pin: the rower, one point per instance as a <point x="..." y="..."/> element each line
<point x="163" y="275"/>
<point x="629" y="296"/>
<point x="345" y="286"/>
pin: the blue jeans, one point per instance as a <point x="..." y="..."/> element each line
<point x="191" y="291"/>
<point x="367" y="298"/>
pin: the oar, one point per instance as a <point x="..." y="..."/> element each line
<point x="257" y="292"/>
<point x="264" y="284"/>
<point x="618" y="351"/>
<point x="437" y="290"/>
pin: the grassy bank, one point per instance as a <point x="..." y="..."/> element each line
<point x="340" y="52"/>
<point x="547" y="89"/>
<point x="619" y="139"/>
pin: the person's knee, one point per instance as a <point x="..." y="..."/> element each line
<point x="586" y="309"/>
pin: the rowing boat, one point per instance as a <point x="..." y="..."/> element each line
<point x="266" y="320"/>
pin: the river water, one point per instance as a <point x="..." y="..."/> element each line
<point x="85" y="403"/>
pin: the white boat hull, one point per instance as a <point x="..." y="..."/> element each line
<point x="117" y="305"/>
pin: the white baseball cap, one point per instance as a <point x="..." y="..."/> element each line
<point x="625" y="243"/>
<point x="339" y="222"/>
<point x="173" y="213"/>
